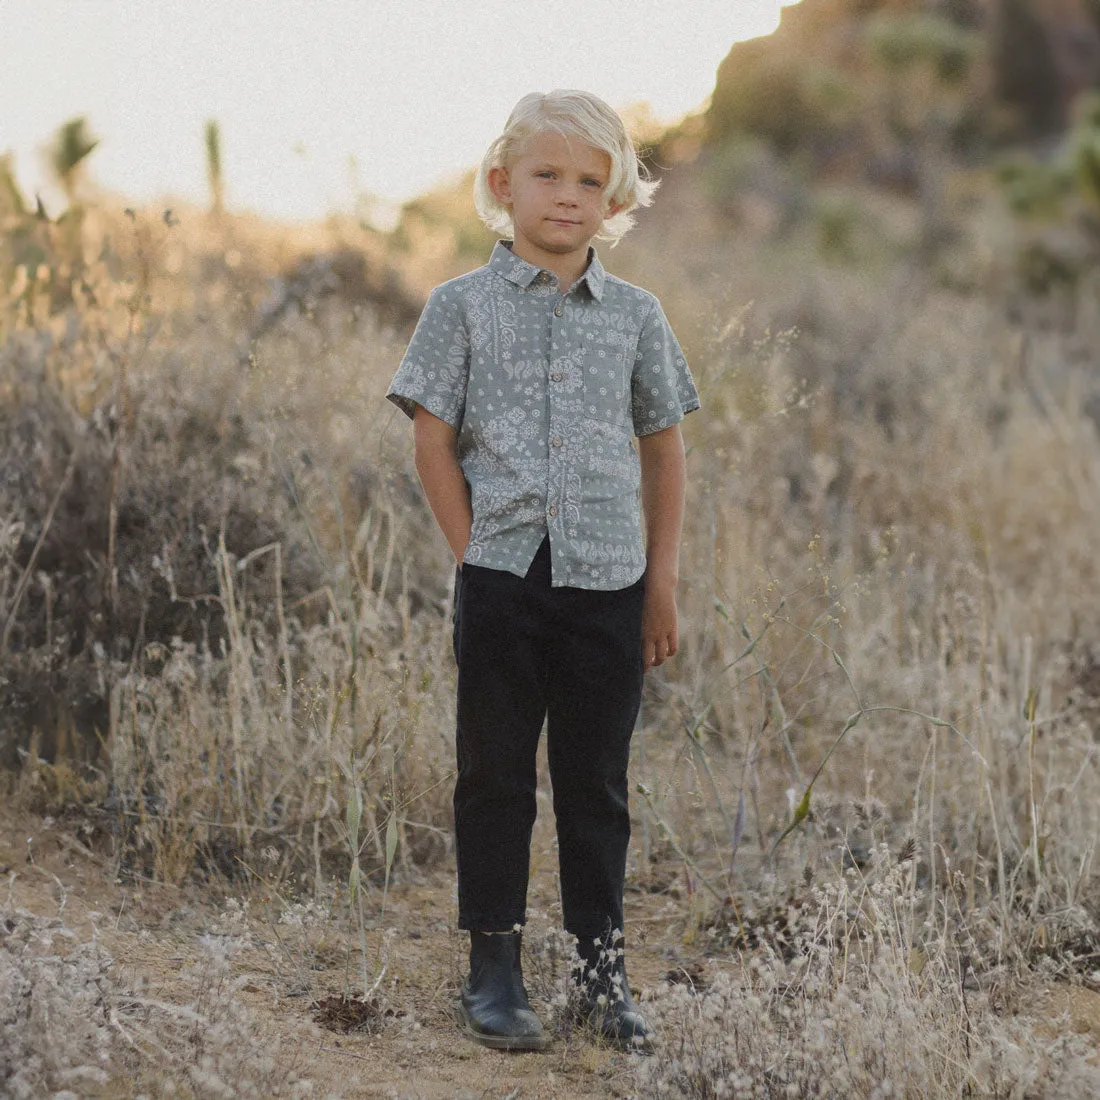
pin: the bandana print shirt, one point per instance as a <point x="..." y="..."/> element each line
<point x="546" y="391"/>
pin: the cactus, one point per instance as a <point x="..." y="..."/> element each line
<point x="904" y="42"/>
<point x="1034" y="189"/>
<point x="1083" y="151"/>
<point x="11" y="197"/>
<point x="1086" y="163"/>
<point x="214" y="165"/>
<point x="1025" y="72"/>
<point x="70" y="148"/>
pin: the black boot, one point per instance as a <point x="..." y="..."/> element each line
<point x="493" y="1008"/>
<point x="606" y="1004"/>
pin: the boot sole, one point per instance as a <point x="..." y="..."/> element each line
<point x="498" y="1042"/>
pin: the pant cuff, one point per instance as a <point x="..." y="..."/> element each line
<point x="592" y="926"/>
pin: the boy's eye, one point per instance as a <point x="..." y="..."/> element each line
<point x="592" y="183"/>
<point x="545" y="174"/>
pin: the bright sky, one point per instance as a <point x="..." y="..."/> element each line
<point x="413" y="90"/>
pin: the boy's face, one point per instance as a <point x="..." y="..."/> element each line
<point x="555" y="189"/>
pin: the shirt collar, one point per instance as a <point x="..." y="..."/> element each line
<point x="507" y="264"/>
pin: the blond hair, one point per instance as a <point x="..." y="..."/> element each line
<point x="572" y="114"/>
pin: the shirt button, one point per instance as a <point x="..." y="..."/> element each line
<point x="556" y="376"/>
<point x="557" y="312"/>
<point x="556" y="441"/>
<point x="553" y="510"/>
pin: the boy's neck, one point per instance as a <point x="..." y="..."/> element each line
<point x="567" y="266"/>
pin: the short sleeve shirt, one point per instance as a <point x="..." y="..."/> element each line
<point x="546" y="391"/>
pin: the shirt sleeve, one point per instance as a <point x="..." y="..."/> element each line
<point x="661" y="388"/>
<point x="436" y="366"/>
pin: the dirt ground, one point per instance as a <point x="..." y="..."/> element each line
<point x="157" y="934"/>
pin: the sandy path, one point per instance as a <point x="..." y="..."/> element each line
<point x="156" y="933"/>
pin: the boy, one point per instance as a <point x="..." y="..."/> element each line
<point x="525" y="380"/>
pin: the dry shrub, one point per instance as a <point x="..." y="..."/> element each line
<point x="71" y="1027"/>
<point x="210" y="1046"/>
<point x="869" y="1000"/>
<point x="893" y="493"/>
<point x="892" y="520"/>
<point x="55" y="1026"/>
<point x="895" y="532"/>
<point x="214" y="568"/>
<point x="187" y="484"/>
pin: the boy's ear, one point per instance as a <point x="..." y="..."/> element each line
<point x="500" y="185"/>
<point x="614" y="208"/>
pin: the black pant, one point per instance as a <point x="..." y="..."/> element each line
<point x="526" y="652"/>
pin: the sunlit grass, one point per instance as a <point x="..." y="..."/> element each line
<point x="892" y="520"/>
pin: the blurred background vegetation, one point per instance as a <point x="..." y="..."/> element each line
<point x="225" y="610"/>
<point x="879" y="242"/>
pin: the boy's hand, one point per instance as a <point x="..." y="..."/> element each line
<point x="663" y="473"/>
<point x="660" y="636"/>
<point x="441" y="475"/>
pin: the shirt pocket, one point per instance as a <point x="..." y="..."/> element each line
<point x="606" y="385"/>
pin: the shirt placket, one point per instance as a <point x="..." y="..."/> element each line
<point x="558" y="437"/>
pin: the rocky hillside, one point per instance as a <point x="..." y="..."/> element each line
<point x="990" y="71"/>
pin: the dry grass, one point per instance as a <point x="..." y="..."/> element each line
<point x="863" y="998"/>
<point x="71" y="1028"/>
<point x="265" y="586"/>
<point x="225" y="612"/>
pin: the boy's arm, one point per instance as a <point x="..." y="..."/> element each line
<point x="663" y="477"/>
<point x="441" y="475"/>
